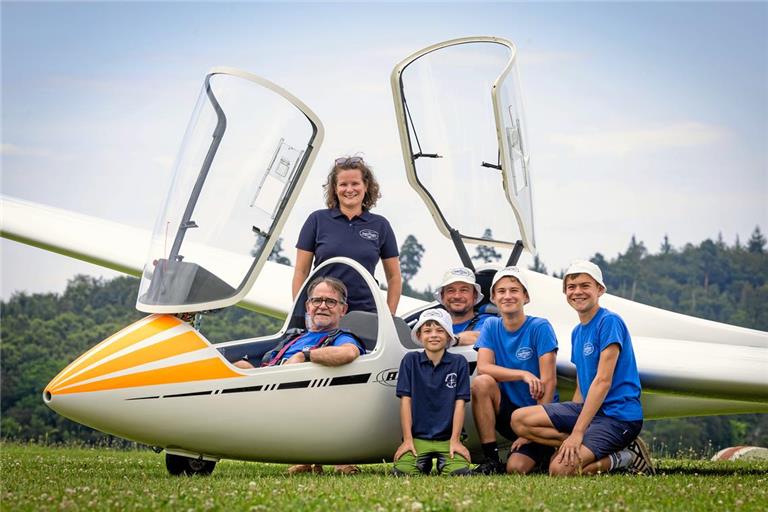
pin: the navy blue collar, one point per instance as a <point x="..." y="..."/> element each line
<point x="365" y="216"/>
<point x="424" y="359"/>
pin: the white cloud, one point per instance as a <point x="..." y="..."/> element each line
<point x="623" y="142"/>
<point x="14" y="150"/>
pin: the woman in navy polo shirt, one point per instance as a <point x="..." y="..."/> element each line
<point x="348" y="228"/>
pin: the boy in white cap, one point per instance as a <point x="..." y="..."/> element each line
<point x="459" y="293"/>
<point x="597" y="431"/>
<point x="433" y="386"/>
<point x="516" y="367"/>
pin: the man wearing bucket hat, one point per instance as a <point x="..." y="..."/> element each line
<point x="516" y="367"/>
<point x="597" y="431"/>
<point x="433" y="386"/>
<point x="459" y="293"/>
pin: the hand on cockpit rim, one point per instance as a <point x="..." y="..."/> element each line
<point x="298" y="357"/>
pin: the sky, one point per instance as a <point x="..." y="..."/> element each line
<point x="644" y="119"/>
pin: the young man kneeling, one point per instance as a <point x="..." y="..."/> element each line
<point x="433" y="386"/>
<point x="597" y="431"/>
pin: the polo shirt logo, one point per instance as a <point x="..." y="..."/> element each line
<point x="589" y="348"/>
<point x="450" y="380"/>
<point x="369" y="234"/>
<point x="524" y="353"/>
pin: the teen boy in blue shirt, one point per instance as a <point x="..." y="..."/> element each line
<point x="516" y="368"/>
<point x="597" y="431"/>
<point x="433" y="386"/>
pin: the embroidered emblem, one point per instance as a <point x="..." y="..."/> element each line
<point x="589" y="348"/>
<point x="524" y="353"/>
<point x="369" y="234"/>
<point x="450" y="380"/>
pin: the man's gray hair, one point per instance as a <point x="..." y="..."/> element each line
<point x="334" y="283"/>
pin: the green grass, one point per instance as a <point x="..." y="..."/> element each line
<point x="51" y="478"/>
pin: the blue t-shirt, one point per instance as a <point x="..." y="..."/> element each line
<point x="310" y="339"/>
<point x="588" y="341"/>
<point x="434" y="390"/>
<point x="478" y="325"/>
<point x="519" y="350"/>
<point x="366" y="238"/>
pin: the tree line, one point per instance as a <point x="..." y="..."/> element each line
<point x="42" y="333"/>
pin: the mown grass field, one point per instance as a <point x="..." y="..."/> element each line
<point x="47" y="478"/>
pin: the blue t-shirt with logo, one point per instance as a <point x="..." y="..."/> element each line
<point x="310" y="339"/>
<point x="434" y="390"/>
<point x="366" y="238"/>
<point x="588" y="341"/>
<point x="519" y="350"/>
<point x="478" y="325"/>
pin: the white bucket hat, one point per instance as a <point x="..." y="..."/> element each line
<point x="456" y="275"/>
<point x="511" y="272"/>
<point x="438" y="315"/>
<point x="585" y="267"/>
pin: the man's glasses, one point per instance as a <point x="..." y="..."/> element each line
<point x="329" y="302"/>
<point x="345" y="161"/>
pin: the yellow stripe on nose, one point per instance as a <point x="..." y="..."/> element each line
<point x="207" y="369"/>
<point x="181" y="344"/>
<point x="100" y="351"/>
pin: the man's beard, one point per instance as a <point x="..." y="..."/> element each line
<point x="453" y="311"/>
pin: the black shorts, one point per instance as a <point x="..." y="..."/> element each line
<point x="535" y="451"/>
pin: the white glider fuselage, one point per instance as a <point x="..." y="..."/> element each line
<point x="160" y="382"/>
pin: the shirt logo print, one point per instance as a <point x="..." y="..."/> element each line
<point x="450" y="380"/>
<point x="589" y="348"/>
<point x="369" y="234"/>
<point x="524" y="353"/>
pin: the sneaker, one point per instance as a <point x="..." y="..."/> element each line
<point x="346" y="469"/>
<point x="489" y="467"/>
<point x="641" y="458"/>
<point x="305" y="468"/>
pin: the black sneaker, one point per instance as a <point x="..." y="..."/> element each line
<point x="489" y="467"/>
<point x="641" y="458"/>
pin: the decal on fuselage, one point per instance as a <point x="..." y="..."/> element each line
<point x="344" y="380"/>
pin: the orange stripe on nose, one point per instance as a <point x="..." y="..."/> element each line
<point x="156" y="326"/>
<point x="206" y="369"/>
<point x="181" y="344"/>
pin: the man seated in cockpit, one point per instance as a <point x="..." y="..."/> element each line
<point x="323" y="343"/>
<point x="459" y="293"/>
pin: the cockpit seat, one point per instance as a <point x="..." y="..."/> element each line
<point x="364" y="325"/>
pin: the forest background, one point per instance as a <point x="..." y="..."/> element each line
<point x="41" y="333"/>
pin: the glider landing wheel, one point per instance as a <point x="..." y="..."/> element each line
<point x="178" y="465"/>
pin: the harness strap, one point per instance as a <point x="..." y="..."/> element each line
<point x="324" y="341"/>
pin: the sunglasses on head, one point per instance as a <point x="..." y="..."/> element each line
<point x="351" y="160"/>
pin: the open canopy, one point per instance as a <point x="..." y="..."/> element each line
<point x="240" y="167"/>
<point x="462" y="133"/>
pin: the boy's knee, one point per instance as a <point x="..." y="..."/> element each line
<point x="516" y="465"/>
<point x="483" y="385"/>
<point x="556" y="469"/>
<point x="520" y="420"/>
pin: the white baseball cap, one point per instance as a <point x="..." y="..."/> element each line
<point x="511" y="272"/>
<point x="585" y="267"/>
<point x="438" y="315"/>
<point x="455" y="275"/>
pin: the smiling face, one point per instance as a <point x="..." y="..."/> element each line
<point x="459" y="298"/>
<point x="433" y="337"/>
<point x="324" y="317"/>
<point x="350" y="189"/>
<point x="583" y="293"/>
<point x="509" y="296"/>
